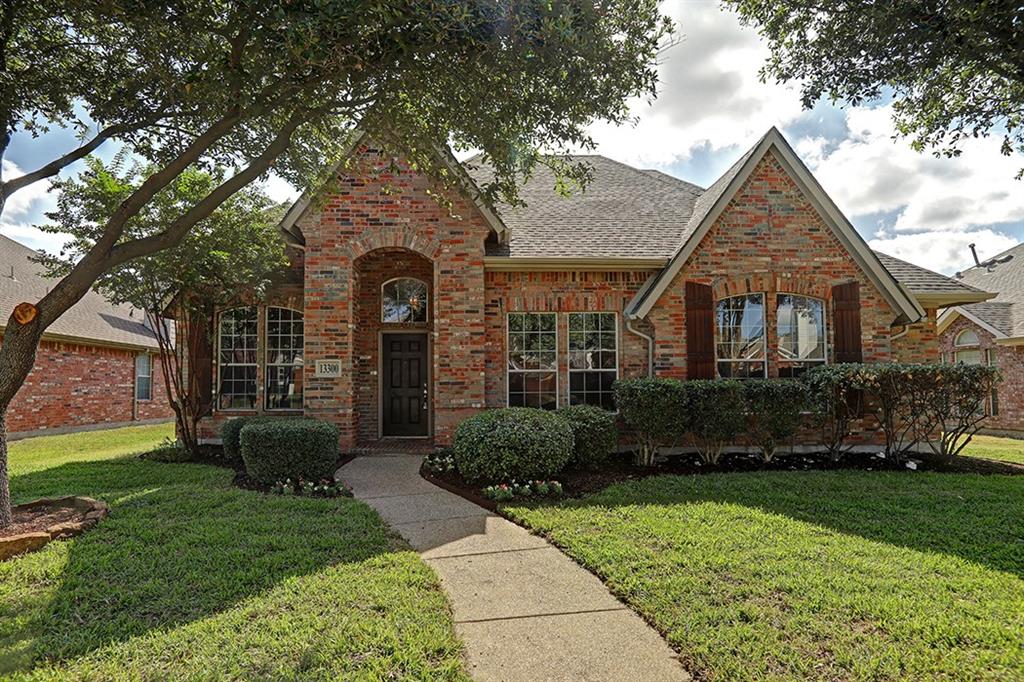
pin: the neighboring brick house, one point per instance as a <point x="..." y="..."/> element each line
<point x="992" y="332"/>
<point x="411" y="316"/>
<point x="96" y="366"/>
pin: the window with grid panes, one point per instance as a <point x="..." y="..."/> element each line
<point x="532" y="360"/>
<point x="593" y="359"/>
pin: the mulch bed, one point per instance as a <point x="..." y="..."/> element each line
<point x="620" y="468"/>
<point x="39" y="519"/>
<point x="38" y="522"/>
<point x="242" y="479"/>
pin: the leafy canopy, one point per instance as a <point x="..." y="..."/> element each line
<point x="955" y="69"/>
<point x="233" y="254"/>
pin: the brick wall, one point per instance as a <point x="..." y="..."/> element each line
<point x="559" y="292"/>
<point x="377" y="202"/>
<point x="919" y="344"/>
<point x="286" y="292"/>
<point x="74" y="386"/>
<point x="769" y="239"/>
<point x="1009" y="360"/>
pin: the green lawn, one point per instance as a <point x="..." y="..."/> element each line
<point x="191" y="578"/>
<point x="813" y="575"/>
<point x="1002" y="449"/>
<point x="47" y="452"/>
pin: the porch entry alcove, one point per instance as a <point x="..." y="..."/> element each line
<point x="393" y="358"/>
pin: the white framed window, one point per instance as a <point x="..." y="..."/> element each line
<point x="283" y="375"/>
<point x="801" y="333"/>
<point x="143" y="376"/>
<point x="237" y="337"/>
<point x="532" y="363"/>
<point x="593" y="359"/>
<point x="403" y="299"/>
<point x="740" y="348"/>
<point x="968" y="348"/>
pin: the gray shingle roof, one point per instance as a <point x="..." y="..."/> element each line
<point x="1006" y="280"/>
<point x="624" y="212"/>
<point x="918" y="280"/>
<point x="92" y="318"/>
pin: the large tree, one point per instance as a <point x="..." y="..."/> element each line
<point x="255" y="84"/>
<point x="955" y="68"/>
<point x="231" y="257"/>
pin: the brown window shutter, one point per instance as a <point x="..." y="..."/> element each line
<point x="201" y="339"/>
<point x="700" y="331"/>
<point x="846" y="322"/>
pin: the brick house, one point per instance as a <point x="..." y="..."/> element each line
<point x="992" y="332"/>
<point x="403" y="316"/>
<point x="96" y="366"/>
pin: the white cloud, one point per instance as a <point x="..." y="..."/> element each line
<point x="21" y="202"/>
<point x="870" y="172"/>
<point x="944" y="251"/>
<point x="709" y="96"/>
<point x="25" y="208"/>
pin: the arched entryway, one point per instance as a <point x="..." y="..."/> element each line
<point x="394" y="315"/>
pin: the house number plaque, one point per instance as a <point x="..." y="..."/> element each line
<point x="328" y="368"/>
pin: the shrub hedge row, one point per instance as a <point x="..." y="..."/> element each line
<point x="937" y="404"/>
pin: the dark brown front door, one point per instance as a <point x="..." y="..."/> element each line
<point x="404" y="385"/>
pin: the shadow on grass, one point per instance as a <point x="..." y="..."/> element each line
<point x="977" y="518"/>
<point x="180" y="544"/>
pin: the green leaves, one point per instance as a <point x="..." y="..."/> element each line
<point x="235" y="253"/>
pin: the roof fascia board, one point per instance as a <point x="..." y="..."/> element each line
<point x="945" y="299"/>
<point x="898" y="295"/>
<point x="502" y="263"/>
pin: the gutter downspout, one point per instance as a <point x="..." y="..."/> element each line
<point x="650" y="346"/>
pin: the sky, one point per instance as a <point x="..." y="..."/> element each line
<point x="711" y="107"/>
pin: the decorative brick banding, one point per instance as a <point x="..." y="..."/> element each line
<point x="87" y="513"/>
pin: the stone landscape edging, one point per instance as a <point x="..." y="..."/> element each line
<point x="91" y="510"/>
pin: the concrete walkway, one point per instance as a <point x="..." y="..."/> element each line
<point x="524" y="610"/>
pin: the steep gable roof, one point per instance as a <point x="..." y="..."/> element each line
<point x="293" y="235"/>
<point x="91" y="319"/>
<point x="1004" y="314"/>
<point x="716" y="198"/>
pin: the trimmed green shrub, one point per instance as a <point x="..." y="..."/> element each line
<point x="231" y="436"/>
<point x="512" y="443"/>
<point x="716" y="415"/>
<point x="956" y="405"/>
<point x="835" y="398"/>
<point x="655" y="410"/>
<point x="287" y="447"/>
<point x="774" y="410"/>
<point x="594" y="434"/>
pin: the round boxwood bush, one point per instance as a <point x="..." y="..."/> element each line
<point x="231" y="436"/>
<point x="594" y="434"/>
<point x="514" y="443"/>
<point x="278" y="449"/>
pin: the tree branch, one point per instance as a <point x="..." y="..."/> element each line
<point x="180" y="227"/>
<point x="14" y="184"/>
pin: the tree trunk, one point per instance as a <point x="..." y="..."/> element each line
<point x="17" y="357"/>
<point x="5" y="488"/>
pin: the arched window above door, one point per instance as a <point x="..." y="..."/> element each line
<point x="403" y="299"/>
